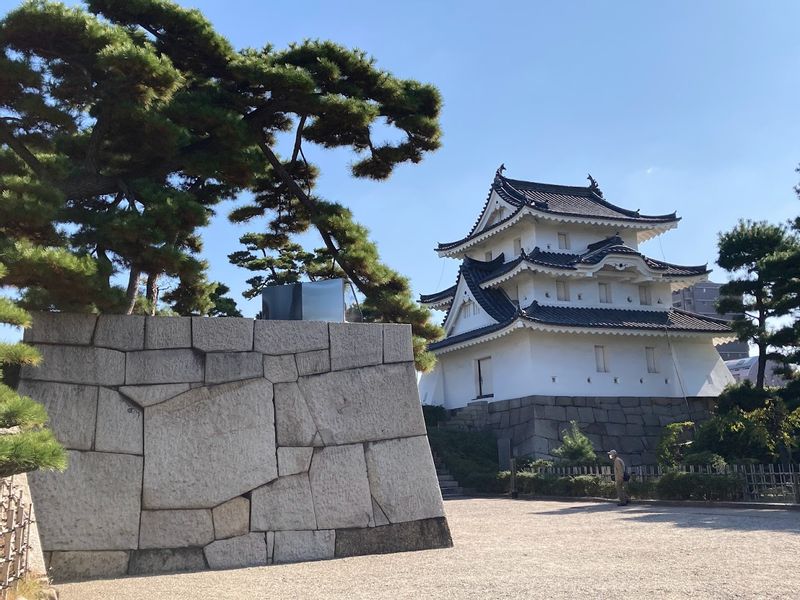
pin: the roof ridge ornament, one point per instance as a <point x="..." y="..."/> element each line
<point x="593" y="185"/>
<point x="501" y="168"/>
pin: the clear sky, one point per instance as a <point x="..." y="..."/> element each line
<point x="687" y="106"/>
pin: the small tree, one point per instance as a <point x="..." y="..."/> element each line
<point x="748" y="252"/>
<point x="674" y="443"/>
<point x="25" y="443"/>
<point x="576" y="448"/>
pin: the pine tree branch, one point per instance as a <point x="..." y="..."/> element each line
<point x="7" y="137"/>
<point x="298" y="139"/>
<point x="311" y="207"/>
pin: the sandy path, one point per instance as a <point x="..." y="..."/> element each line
<point x="529" y="549"/>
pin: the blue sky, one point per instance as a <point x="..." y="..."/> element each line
<point x="686" y="106"/>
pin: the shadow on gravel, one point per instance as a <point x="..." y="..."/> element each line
<point x="734" y="519"/>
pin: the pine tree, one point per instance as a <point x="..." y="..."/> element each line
<point x="25" y="443"/>
<point x="129" y="122"/>
<point x="748" y="252"/>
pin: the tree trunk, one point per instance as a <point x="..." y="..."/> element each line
<point x="761" y="342"/>
<point x="152" y="292"/>
<point x="133" y="289"/>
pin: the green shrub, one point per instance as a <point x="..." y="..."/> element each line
<point x="576" y="448"/>
<point x="705" y="458"/>
<point x="433" y="415"/>
<point x="674" y="443"/>
<point x="737" y="436"/>
<point x="696" y="486"/>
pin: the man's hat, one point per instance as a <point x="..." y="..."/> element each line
<point x="612" y="453"/>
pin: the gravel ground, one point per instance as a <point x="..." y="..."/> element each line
<point x="529" y="549"/>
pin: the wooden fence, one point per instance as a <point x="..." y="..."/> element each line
<point x="760" y="483"/>
<point x="15" y="531"/>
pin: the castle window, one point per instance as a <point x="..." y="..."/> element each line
<point x="600" y="359"/>
<point x="650" y="355"/>
<point x="562" y="290"/>
<point x="645" y="299"/>
<point x="563" y="241"/>
<point x="517" y="246"/>
<point x="605" y="293"/>
<point x="488" y="256"/>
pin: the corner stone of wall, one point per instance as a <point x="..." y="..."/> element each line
<point x="535" y="424"/>
<point x="218" y="443"/>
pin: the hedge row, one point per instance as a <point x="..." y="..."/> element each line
<point x="670" y="486"/>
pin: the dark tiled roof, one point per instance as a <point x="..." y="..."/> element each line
<point x="470" y="335"/>
<point x="613" y="318"/>
<point x="596" y="252"/>
<point x="438" y="296"/>
<point x="569" y="200"/>
<point x="673" y="320"/>
<point x="494" y="302"/>
<point x="564" y="200"/>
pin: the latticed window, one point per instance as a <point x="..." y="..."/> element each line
<point x="563" y="241"/>
<point x="650" y="355"/>
<point x="562" y="290"/>
<point x="645" y="298"/>
<point x="605" y="293"/>
<point x="600" y="359"/>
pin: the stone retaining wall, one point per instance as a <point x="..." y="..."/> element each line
<point x="534" y="424"/>
<point x="220" y="442"/>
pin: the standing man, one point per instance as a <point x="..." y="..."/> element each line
<point x="619" y="477"/>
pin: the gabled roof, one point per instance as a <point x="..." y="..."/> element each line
<point x="558" y="200"/>
<point x="493" y="301"/>
<point x="569" y="200"/>
<point x="595" y="253"/>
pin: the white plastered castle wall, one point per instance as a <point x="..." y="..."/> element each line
<point x="529" y="362"/>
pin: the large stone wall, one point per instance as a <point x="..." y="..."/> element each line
<point x="534" y="424"/>
<point x="220" y="442"/>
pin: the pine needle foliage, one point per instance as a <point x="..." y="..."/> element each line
<point x="125" y="123"/>
<point x="576" y="449"/>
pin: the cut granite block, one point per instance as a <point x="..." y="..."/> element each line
<point x="60" y="328"/>
<point x="289" y="337"/>
<point x="175" y="528"/>
<point x="340" y="487"/>
<point x="373" y="403"/>
<point x="402" y="479"/>
<point x="296" y="546"/>
<point x="162" y="333"/>
<point x="236" y="553"/>
<point x="76" y="509"/>
<point x="209" y="445"/>
<point x="222" y="367"/>
<point x="397" y="345"/>
<point x="166" y="560"/>
<point x="293" y="460"/>
<point x="293" y="421"/>
<point x="397" y="537"/>
<point x="284" y="504"/>
<point x="120" y="332"/>
<point x="280" y="369"/>
<point x="231" y="518"/>
<point x="87" y="564"/>
<point x="227" y="334"/>
<point x="78" y="364"/>
<point x="71" y="410"/>
<point x="311" y="363"/>
<point x="119" y="424"/>
<point x="355" y="345"/>
<point x="164" y="366"/>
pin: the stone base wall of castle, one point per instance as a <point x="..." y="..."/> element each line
<point x="535" y="424"/>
